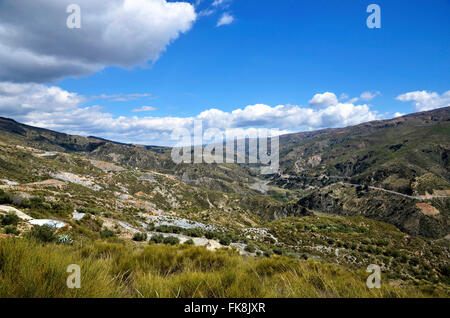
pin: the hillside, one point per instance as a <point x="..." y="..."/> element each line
<point x="350" y="168"/>
<point x="329" y="204"/>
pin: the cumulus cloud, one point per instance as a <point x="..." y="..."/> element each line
<point x="144" y="109"/>
<point x="18" y="100"/>
<point x="225" y="19"/>
<point x="424" y="100"/>
<point x="54" y="108"/>
<point x="36" y="45"/>
<point x="323" y="100"/>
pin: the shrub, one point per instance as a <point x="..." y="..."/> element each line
<point x="250" y="248"/>
<point x="414" y="261"/>
<point x="278" y="251"/>
<point x="366" y="241"/>
<point x="189" y="242"/>
<point x="92" y="211"/>
<point x="403" y="258"/>
<point x="11" y="229"/>
<point x="5" y="198"/>
<point x="9" y="219"/>
<point x="445" y="270"/>
<point x="157" y="238"/>
<point x="210" y="235"/>
<point x="225" y="241"/>
<point x="169" y="229"/>
<point x="107" y="233"/>
<point x="44" y="233"/>
<point x="171" y="240"/>
<point x="193" y="232"/>
<point x="383" y="242"/>
<point x="139" y="237"/>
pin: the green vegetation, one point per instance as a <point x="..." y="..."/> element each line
<point x="118" y="270"/>
<point x="43" y="233"/>
<point x="326" y="206"/>
<point x="9" y="219"/>
<point x="139" y="237"/>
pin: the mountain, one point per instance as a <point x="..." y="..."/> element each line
<point x="394" y="170"/>
<point x="350" y="168"/>
<point x="375" y="193"/>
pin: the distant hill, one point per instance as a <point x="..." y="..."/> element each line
<point x="409" y="155"/>
<point x="394" y="170"/>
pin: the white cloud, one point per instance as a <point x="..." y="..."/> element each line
<point x="368" y="96"/>
<point x="343" y="96"/>
<point x="206" y="12"/>
<point x="144" y="109"/>
<point x="323" y="100"/>
<point x="37" y="46"/>
<point x="123" y="97"/>
<point x="365" y="96"/>
<point x="17" y="100"/>
<point x="225" y="19"/>
<point x="54" y="108"/>
<point x="424" y="100"/>
<point x="398" y="114"/>
<point x="217" y="3"/>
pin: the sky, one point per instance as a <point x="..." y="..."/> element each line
<point x="136" y="70"/>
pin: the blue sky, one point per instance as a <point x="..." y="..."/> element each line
<point x="283" y="52"/>
<point x="272" y="53"/>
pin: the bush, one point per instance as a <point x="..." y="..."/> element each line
<point x="169" y="229"/>
<point x="403" y="258"/>
<point x="9" y="219"/>
<point x="139" y="237"/>
<point x="189" y="242"/>
<point x="107" y="233"/>
<point x="193" y="232"/>
<point x="44" y="233"/>
<point x="278" y="251"/>
<point x="366" y="241"/>
<point x="225" y="241"/>
<point x="171" y="240"/>
<point x="445" y="270"/>
<point x="250" y="248"/>
<point x="11" y="229"/>
<point x="157" y="238"/>
<point x="5" y="198"/>
<point x="92" y="211"/>
<point x="414" y="261"/>
<point x="383" y="242"/>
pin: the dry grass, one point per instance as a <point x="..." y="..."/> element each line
<point x="31" y="269"/>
